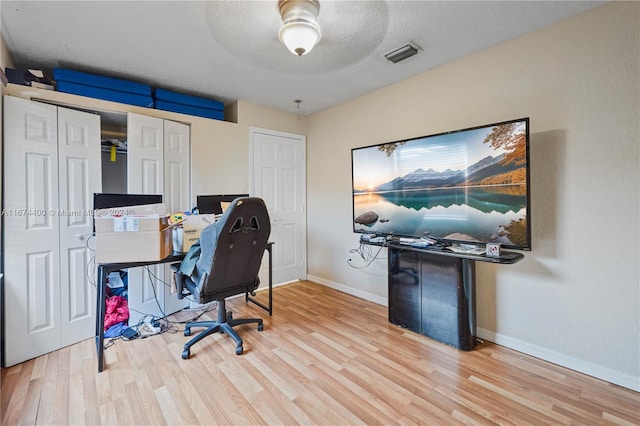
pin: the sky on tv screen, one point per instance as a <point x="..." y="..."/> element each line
<point x="451" y="151"/>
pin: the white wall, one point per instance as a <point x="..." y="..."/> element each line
<point x="574" y="299"/>
<point x="220" y="151"/>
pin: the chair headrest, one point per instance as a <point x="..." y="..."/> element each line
<point x="239" y="225"/>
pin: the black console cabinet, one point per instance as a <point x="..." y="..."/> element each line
<point x="433" y="295"/>
<point x="432" y="292"/>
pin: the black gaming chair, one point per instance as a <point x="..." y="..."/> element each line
<point x="231" y="251"/>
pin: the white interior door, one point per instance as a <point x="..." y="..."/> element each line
<point x="32" y="278"/>
<point x="279" y="178"/>
<point x="145" y="171"/>
<point x="80" y="175"/>
<point x="177" y="187"/>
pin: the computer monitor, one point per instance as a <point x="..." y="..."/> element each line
<point x="107" y="201"/>
<point x="212" y="204"/>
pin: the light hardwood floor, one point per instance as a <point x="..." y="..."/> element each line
<point x="324" y="358"/>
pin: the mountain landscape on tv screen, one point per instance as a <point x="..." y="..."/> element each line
<point x="488" y="171"/>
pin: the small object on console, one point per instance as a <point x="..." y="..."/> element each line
<point x="403" y="240"/>
<point x="493" y="250"/>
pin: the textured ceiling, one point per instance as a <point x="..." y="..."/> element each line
<point x="229" y="50"/>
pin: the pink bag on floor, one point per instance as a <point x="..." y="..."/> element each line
<point x="117" y="311"/>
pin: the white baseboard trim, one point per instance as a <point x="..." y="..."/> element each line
<point x="584" y="367"/>
<point x="621" y="379"/>
<point x="349" y="290"/>
<point x="265" y="286"/>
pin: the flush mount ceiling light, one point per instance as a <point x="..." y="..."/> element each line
<point x="300" y="31"/>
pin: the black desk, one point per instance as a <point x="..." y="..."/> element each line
<point x="104" y="269"/>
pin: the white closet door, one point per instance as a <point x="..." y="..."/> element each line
<point x="177" y="166"/>
<point x="177" y="184"/>
<point x="31" y="229"/>
<point x="145" y="154"/>
<point x="145" y="175"/>
<point x="80" y="176"/>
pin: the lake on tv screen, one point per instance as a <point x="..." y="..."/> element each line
<point x="487" y="214"/>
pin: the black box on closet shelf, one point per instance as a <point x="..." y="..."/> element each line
<point x="29" y="77"/>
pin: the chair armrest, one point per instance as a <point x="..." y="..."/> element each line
<point x="178" y="277"/>
<point x="256" y="284"/>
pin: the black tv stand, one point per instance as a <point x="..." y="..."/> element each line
<point x="432" y="290"/>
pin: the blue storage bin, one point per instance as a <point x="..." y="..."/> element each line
<point x="179" y="98"/>
<point x="86" y="79"/>
<point x="105" y="94"/>
<point x="190" y="110"/>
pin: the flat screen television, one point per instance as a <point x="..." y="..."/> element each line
<point x="464" y="186"/>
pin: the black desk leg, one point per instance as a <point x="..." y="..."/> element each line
<point x="100" y="311"/>
<point x="248" y="298"/>
<point x="269" y="248"/>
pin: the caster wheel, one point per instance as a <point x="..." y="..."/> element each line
<point x="187" y="332"/>
<point x="186" y="354"/>
<point x="260" y="327"/>
<point x="239" y="350"/>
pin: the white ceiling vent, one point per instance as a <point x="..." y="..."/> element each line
<point x="401" y="53"/>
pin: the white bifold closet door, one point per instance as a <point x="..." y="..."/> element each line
<point x="51" y="170"/>
<point x="158" y="162"/>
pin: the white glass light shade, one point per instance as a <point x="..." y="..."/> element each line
<point x="299" y="36"/>
<point x="300" y="30"/>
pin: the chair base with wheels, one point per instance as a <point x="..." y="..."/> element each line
<point x="224" y="324"/>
